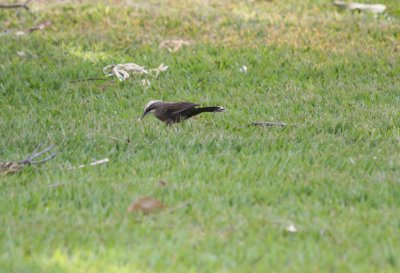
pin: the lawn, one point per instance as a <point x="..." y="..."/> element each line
<point x="320" y="195"/>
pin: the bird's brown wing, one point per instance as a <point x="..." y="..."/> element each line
<point x="177" y="107"/>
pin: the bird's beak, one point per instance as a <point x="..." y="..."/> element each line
<point x="144" y="114"/>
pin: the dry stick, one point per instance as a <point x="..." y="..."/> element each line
<point x="40" y="26"/>
<point x="16" y="6"/>
<point x="44" y="160"/>
<point x="269" y="124"/>
<point x="90" y="79"/>
<point x="36" y="154"/>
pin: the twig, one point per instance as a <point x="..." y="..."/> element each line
<point x="35" y="154"/>
<point x="40" y="26"/>
<point x="44" y="160"/>
<point x="16" y="6"/>
<point x="90" y="79"/>
<point x="94" y="163"/>
<point x="269" y="124"/>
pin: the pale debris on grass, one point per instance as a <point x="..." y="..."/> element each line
<point x="123" y="71"/>
<point x="291" y="228"/>
<point x="146" y="83"/>
<point x="375" y="8"/>
<point x="159" y="69"/>
<point x="173" y="45"/>
<point x="97" y="162"/>
<point x="243" y="69"/>
<point x="286" y="224"/>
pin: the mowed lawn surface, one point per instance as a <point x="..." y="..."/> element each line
<point x="333" y="172"/>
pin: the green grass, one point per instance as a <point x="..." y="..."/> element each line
<point x="333" y="171"/>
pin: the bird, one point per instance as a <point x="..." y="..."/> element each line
<point x="174" y="112"/>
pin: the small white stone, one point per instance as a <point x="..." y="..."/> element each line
<point x="291" y="228"/>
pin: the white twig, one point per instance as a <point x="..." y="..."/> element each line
<point x="94" y="163"/>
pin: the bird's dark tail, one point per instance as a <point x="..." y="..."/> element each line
<point x="211" y="109"/>
<point x="195" y="111"/>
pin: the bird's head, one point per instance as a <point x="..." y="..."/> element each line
<point x="151" y="107"/>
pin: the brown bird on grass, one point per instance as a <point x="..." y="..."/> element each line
<point x="173" y="112"/>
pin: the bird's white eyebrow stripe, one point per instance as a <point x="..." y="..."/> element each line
<point x="150" y="103"/>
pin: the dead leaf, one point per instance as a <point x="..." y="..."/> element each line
<point x="173" y="45"/>
<point x="162" y="183"/>
<point x="146" y="205"/>
<point x="10" y="167"/>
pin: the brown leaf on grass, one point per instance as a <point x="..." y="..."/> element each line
<point x="173" y="45"/>
<point x="146" y="205"/>
<point x="9" y="167"/>
<point x="162" y="183"/>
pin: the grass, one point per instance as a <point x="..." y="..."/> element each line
<point x="333" y="171"/>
